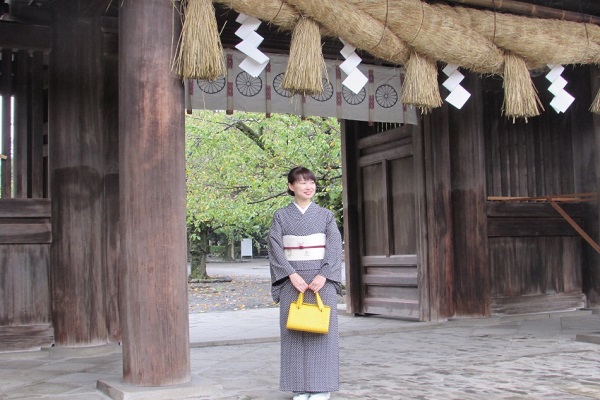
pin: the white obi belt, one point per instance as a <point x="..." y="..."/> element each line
<point x="304" y="248"/>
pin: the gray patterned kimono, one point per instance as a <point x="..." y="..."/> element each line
<point x="309" y="361"/>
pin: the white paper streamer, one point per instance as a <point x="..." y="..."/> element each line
<point x="256" y="60"/>
<point x="562" y="99"/>
<point x="355" y="80"/>
<point x="458" y="95"/>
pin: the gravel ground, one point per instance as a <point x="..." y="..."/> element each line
<point x="233" y="291"/>
<point x="242" y="292"/>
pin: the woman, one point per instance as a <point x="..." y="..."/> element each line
<point x="305" y="255"/>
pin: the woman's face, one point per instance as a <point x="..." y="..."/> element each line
<point x="304" y="189"/>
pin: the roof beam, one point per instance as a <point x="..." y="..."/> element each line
<point x="25" y="37"/>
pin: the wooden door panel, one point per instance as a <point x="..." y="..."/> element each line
<point x="389" y="267"/>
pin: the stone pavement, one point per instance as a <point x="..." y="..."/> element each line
<point x="235" y="356"/>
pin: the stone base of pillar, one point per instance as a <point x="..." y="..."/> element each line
<point x="196" y="387"/>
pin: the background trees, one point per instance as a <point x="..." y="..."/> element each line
<point x="237" y="167"/>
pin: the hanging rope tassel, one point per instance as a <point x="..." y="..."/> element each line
<point x="420" y="86"/>
<point x="520" y="95"/>
<point x="306" y="66"/>
<point x="200" y="52"/>
<point x="595" y="107"/>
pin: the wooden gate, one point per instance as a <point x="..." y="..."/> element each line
<point x="385" y="235"/>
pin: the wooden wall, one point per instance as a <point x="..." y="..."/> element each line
<point x="25" y="236"/>
<point x="489" y="258"/>
<point x="25" y="223"/>
<point x="536" y="259"/>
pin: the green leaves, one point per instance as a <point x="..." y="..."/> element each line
<point x="237" y="167"/>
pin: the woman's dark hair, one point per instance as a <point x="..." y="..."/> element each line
<point x="298" y="173"/>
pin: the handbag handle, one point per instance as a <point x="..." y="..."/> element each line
<point x="317" y="297"/>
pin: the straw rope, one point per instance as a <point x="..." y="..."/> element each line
<point x="436" y="34"/>
<point x="520" y="95"/>
<point x="595" y="107"/>
<point x="306" y="66"/>
<point x="277" y="12"/>
<point x="472" y="39"/>
<point x="420" y="84"/>
<point x="538" y="41"/>
<point x="200" y="53"/>
<point x="356" y="27"/>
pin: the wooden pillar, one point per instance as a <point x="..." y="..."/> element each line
<point x="350" y="132"/>
<point x="469" y="216"/>
<point x="76" y="167"/>
<point x="439" y="213"/>
<point x="153" y="292"/>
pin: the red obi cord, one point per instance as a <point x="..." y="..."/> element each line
<point x="305" y="247"/>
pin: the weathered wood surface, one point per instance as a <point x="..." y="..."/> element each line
<point x="388" y="224"/>
<point x="25" y="237"/>
<point x="589" y="174"/>
<point x="469" y="219"/>
<point x="153" y="290"/>
<point x="350" y="134"/>
<point x="76" y="104"/>
<point x="26" y="337"/>
<point x="439" y="213"/>
<point x="25" y="292"/>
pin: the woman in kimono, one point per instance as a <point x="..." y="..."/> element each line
<point x="305" y="255"/>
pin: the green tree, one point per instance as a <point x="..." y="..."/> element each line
<point x="237" y="167"/>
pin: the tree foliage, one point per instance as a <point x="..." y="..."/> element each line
<point x="237" y="167"/>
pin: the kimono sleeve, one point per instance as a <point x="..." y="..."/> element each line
<point x="279" y="265"/>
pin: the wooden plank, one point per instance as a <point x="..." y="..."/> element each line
<point x="397" y="136"/>
<point x="397" y="152"/>
<point x="538" y="303"/>
<point x="529" y="209"/>
<point x="514" y="227"/>
<point x="26" y="337"/>
<point x="391" y="280"/>
<point x="396" y="259"/>
<point x="25" y="208"/>
<point x="398" y="309"/>
<point x="24" y="294"/>
<point x="26" y="233"/>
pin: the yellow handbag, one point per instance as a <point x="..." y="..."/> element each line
<point x="307" y="317"/>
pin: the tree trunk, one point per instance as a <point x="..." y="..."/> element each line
<point x="198" y="252"/>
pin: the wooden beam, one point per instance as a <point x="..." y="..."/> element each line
<point x="94" y="8"/>
<point x="25" y="37"/>
<point x="574" y="224"/>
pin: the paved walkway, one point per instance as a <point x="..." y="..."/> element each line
<point x="235" y="355"/>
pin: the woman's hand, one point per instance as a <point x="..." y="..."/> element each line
<point x="298" y="282"/>
<point x="317" y="283"/>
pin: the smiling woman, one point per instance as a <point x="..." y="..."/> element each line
<point x="305" y="255"/>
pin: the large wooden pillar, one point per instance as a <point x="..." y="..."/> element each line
<point x="469" y="217"/>
<point x="153" y="292"/>
<point x="436" y="147"/>
<point x="76" y="175"/>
